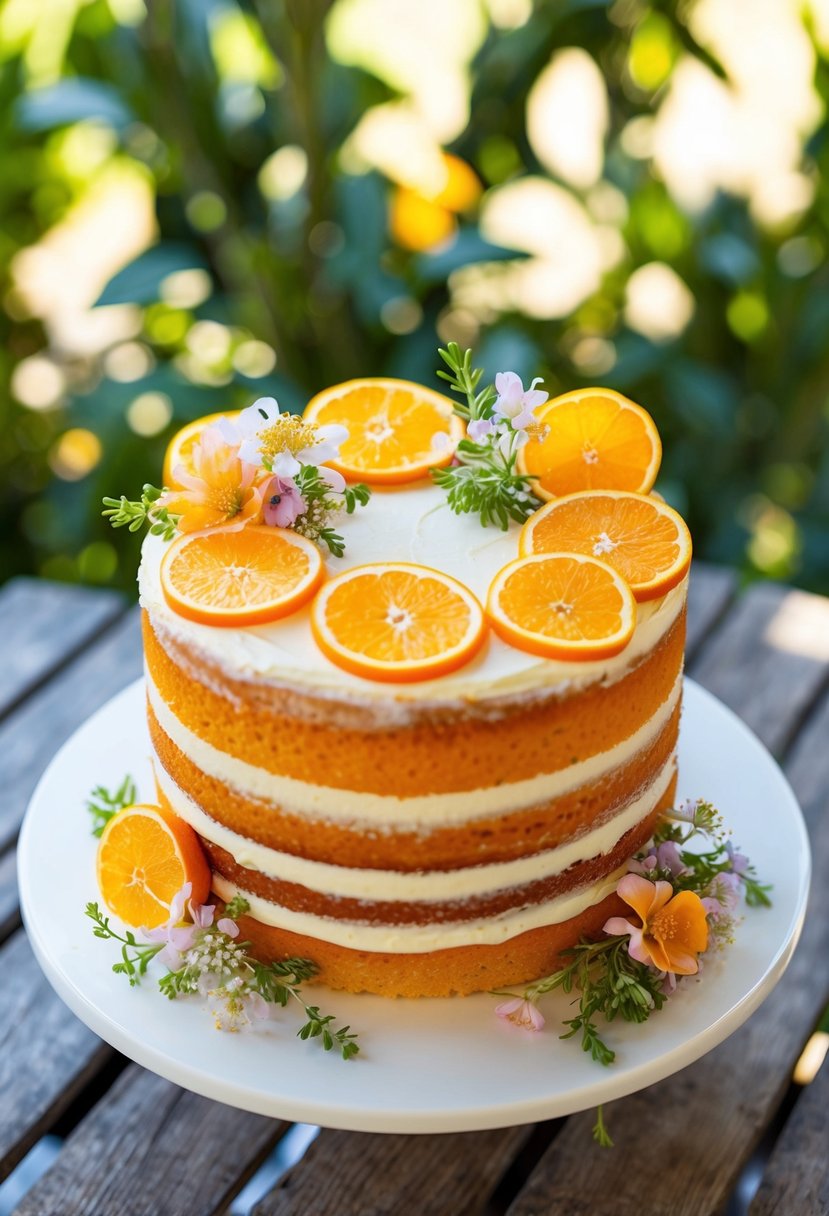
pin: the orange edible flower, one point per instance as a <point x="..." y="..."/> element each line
<point x="219" y="491"/>
<point x="674" y="929"/>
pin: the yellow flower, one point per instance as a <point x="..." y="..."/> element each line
<point x="220" y="491"/>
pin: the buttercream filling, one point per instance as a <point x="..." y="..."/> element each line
<point x="406" y="887"/>
<point x="384" y="810"/>
<point x="420" y="939"/>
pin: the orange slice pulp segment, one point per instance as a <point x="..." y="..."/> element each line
<point x="562" y="606"/>
<point x="145" y="856"/>
<point x="397" y="621"/>
<point x="641" y="537"/>
<point x="391" y="429"/>
<point x="593" y="439"/>
<point x="246" y="576"/>
<point x="180" y="448"/>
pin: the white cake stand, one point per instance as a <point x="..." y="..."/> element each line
<point x="430" y="1065"/>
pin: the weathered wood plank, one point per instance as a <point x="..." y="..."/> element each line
<point x="46" y="1055"/>
<point x="32" y="735"/>
<point x="345" y="1173"/>
<point x="149" y="1148"/>
<point x="769" y="660"/>
<point x="711" y="590"/>
<point x="9" y="912"/>
<point x="706" y="1121"/>
<point x="42" y="625"/>
<point x="796" y="1178"/>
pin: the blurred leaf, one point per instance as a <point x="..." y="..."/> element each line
<point x="139" y="282"/>
<point x="729" y="258"/>
<point x="467" y="247"/>
<point x="509" y="349"/>
<point x="705" y="398"/>
<point x="69" y="101"/>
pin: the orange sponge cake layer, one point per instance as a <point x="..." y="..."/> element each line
<point x="448" y="750"/>
<point x="498" y="837"/>
<point x="454" y="972"/>
<point x="430" y="839"/>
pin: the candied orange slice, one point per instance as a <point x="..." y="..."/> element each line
<point x="180" y="448"/>
<point x="593" y="439"/>
<point x="145" y="856"/>
<point x="397" y="621"/>
<point x="562" y="606"/>
<point x="246" y="576"/>
<point x="392" y="426"/>
<point x="641" y="537"/>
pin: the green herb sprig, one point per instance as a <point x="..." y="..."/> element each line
<point x="135" y="956"/>
<point x="235" y="974"/>
<point x="102" y="804"/>
<point x="484" y="481"/>
<point x="322" y="503"/>
<point x="134" y="514"/>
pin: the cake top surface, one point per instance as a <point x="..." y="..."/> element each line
<point x="411" y="524"/>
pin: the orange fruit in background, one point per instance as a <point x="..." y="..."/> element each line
<point x="180" y="447"/>
<point x="592" y="439"/>
<point x="145" y="856"/>
<point x="247" y="576"/>
<point x="391" y="426"/>
<point x="641" y="537"/>
<point x="397" y="621"/>
<point x="417" y="223"/>
<point x="562" y="606"/>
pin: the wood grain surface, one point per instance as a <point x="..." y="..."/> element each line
<point x="32" y="735"/>
<point x="345" y="1172"/>
<point x="796" y="1179"/>
<point x="46" y="1055"/>
<point x="41" y="625"/>
<point x="152" y="1149"/>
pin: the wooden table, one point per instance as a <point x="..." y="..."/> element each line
<point x="122" y="1141"/>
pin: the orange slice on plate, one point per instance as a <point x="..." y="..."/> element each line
<point x="145" y="856"/>
<point x="247" y="576"/>
<point x="180" y="447"/>
<point x="397" y="621"/>
<point x="392" y="426"/>
<point x="641" y="537"/>
<point x="593" y="439"/>
<point x="562" y="606"/>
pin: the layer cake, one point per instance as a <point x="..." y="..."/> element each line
<point x="423" y="839"/>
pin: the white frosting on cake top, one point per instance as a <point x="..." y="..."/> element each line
<point x="412" y="524"/>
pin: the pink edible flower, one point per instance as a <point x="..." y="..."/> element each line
<point x="282" y="502"/>
<point x="521" y="1012"/>
<point x="516" y="403"/>
<point x="723" y="897"/>
<point x="479" y="429"/>
<point x="179" y="937"/>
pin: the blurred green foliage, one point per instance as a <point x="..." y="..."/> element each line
<point x="281" y="262"/>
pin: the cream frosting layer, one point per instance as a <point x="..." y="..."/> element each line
<point x="414" y="525"/>
<point x="386" y="811"/>
<point x="423" y="886"/>
<point x="420" y="939"/>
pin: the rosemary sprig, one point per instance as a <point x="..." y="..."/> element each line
<point x="102" y="804"/>
<point x="484" y="481"/>
<point x="124" y="513"/>
<point x="464" y="379"/>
